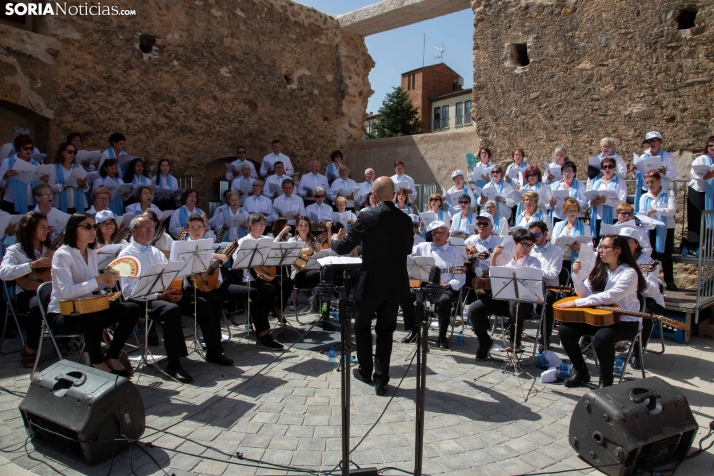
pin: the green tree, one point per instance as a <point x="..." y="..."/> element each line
<point x="398" y="116"/>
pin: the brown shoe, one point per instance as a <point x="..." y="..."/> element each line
<point x="27" y="359"/>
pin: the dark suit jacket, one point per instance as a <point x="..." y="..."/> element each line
<point x="387" y="238"/>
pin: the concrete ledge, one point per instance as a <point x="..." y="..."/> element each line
<point x="390" y="14"/>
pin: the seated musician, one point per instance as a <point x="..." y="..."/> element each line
<point x="75" y="276"/>
<point x="30" y="253"/>
<point x="107" y="229"/>
<point x="446" y="256"/>
<point x="318" y="210"/>
<point x="654" y="300"/>
<point x="551" y="262"/>
<point x="223" y="219"/>
<point x="480" y="246"/>
<point x="615" y="279"/>
<point x="303" y="279"/>
<point x="163" y="240"/>
<point x="480" y="310"/>
<point x="163" y="307"/>
<point x="267" y="290"/>
<point x="101" y="196"/>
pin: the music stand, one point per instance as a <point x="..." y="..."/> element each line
<point x="154" y="279"/>
<point x="519" y="285"/>
<point x="107" y="254"/>
<point x="313" y="264"/>
<point x="251" y="253"/>
<point x="281" y="254"/>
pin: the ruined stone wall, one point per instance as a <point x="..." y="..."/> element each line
<point x="189" y="80"/>
<point x="597" y="68"/>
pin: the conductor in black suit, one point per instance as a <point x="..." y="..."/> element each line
<point x="387" y="237"/>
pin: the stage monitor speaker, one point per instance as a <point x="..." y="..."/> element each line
<point x="635" y="425"/>
<point x="82" y="410"/>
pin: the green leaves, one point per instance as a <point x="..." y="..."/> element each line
<point x="398" y="116"/>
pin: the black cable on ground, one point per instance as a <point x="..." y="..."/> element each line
<point x="39" y="460"/>
<point x="16" y="394"/>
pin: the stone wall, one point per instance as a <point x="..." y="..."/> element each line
<point x="189" y="80"/>
<point x="597" y="69"/>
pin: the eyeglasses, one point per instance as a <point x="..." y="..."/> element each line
<point x="45" y="195"/>
<point x="607" y="167"/>
<point x="495" y="173"/>
<point x="605" y="247"/>
<point x="438" y="232"/>
<point x="88" y="227"/>
<point x="26" y="147"/>
<point x="434" y="199"/>
<point x="319" y="196"/>
<point x="531" y="175"/>
<point x="537" y="235"/>
<point x="464" y="202"/>
<point x="144" y="228"/>
<point x="483" y="223"/>
<point x="526" y="245"/>
<point x="70" y="151"/>
<point x="625" y="214"/>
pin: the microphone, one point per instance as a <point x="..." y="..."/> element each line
<point x="434" y="277"/>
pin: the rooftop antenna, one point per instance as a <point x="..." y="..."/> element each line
<point x="441" y="52"/>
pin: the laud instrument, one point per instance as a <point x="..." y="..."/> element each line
<point x="606" y="315"/>
<point x="88" y="305"/>
<point x="206" y="281"/>
<point x="32" y="280"/>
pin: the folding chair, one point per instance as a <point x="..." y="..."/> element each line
<point x="661" y="327"/>
<point x="9" y="290"/>
<point x="637" y="340"/>
<point x="44" y="292"/>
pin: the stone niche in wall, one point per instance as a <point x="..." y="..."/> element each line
<point x="189" y="81"/>
<point x="570" y="72"/>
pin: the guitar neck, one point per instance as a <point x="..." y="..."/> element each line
<point x="669" y="322"/>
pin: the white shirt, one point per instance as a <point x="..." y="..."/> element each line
<point x="652" y="290"/>
<point x="175" y="224"/>
<point x="242" y="184"/>
<point x="580" y="197"/>
<point x="105" y="156"/>
<point x="406" y="182"/>
<point x="135" y="208"/>
<point x="364" y="189"/>
<point x="259" y="204"/>
<point x="72" y="277"/>
<point x="620" y="187"/>
<point x="504" y="208"/>
<point x="418" y="239"/>
<point x="16" y="264"/>
<point x="444" y="259"/>
<point x="620" y="289"/>
<point x="246" y="273"/>
<point x="527" y="261"/>
<point x="269" y="161"/>
<point x="58" y="187"/>
<point x="340" y="183"/>
<point x="457" y="219"/>
<point x="521" y="220"/>
<point x="274" y="180"/>
<point x="164" y="183"/>
<point x="457" y="193"/>
<point x="320" y="212"/>
<point x="487" y="245"/>
<point x="667" y="161"/>
<point x="224" y="219"/>
<point x="698" y="183"/>
<point x="146" y="258"/>
<point x="312" y="181"/>
<point x="562" y="230"/>
<point x="100" y="182"/>
<point x="293" y="203"/>
<point x="52" y="218"/>
<point x="238" y="164"/>
<point x="8" y="196"/>
<point x="544" y="195"/>
<point x="666" y="210"/>
<point x="551" y="262"/>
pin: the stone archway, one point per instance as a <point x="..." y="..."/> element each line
<point x="12" y="115"/>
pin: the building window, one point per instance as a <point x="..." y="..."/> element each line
<point x="437" y="118"/>
<point x="459" y="113"/>
<point x="467" y="112"/>
<point x="411" y="81"/>
<point x="445" y="116"/>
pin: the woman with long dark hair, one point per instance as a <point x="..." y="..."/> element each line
<point x="108" y="171"/>
<point x="615" y="279"/>
<point x="107" y="229"/>
<point x="29" y="254"/>
<point x="75" y="276"/>
<point x="165" y="181"/>
<point x="67" y="198"/>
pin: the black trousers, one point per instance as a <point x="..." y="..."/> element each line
<point x="666" y="257"/>
<point x="168" y="314"/>
<point x="695" y="206"/>
<point x="550" y="298"/>
<point x="604" y="340"/>
<point x="307" y="279"/>
<point x="385" y="312"/>
<point x="265" y="301"/>
<point x="284" y="291"/>
<point x="235" y="293"/>
<point x="208" y="309"/>
<point x="124" y="314"/>
<point x="651" y="307"/>
<point x="27" y="302"/>
<point x="480" y="310"/>
<point x="443" y="309"/>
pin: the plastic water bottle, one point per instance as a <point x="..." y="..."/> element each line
<point x="684" y="249"/>
<point x="324" y="308"/>
<point x="335" y="314"/>
<point x="564" y="371"/>
<point x="465" y="316"/>
<point x="619" y="364"/>
<point x="460" y="339"/>
<point x="331" y="356"/>
<point x="541" y="361"/>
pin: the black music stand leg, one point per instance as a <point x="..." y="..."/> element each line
<point x="345" y="313"/>
<point x="422" y="350"/>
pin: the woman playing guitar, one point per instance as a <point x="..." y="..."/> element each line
<point x="303" y="279"/>
<point x="75" y="276"/>
<point x="615" y="279"/>
<point x="28" y="256"/>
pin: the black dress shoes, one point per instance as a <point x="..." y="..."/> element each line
<point x="605" y="382"/>
<point x="219" y="359"/>
<point x="443" y="344"/>
<point x="270" y="343"/>
<point x="358" y="375"/>
<point x="578" y="378"/>
<point x="179" y="374"/>
<point x="411" y="337"/>
<point x="671" y="286"/>
<point x="380" y="389"/>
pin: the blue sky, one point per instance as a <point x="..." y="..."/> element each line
<point x="398" y="51"/>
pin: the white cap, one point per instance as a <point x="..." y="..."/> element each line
<point x="415" y="219"/>
<point x="486" y="215"/>
<point x="456" y="173"/>
<point x="630" y="232"/>
<point x="436" y="224"/>
<point x="652" y="135"/>
<point x="104" y="215"/>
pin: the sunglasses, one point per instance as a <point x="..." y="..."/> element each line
<point x="607" y="167"/>
<point x="70" y="151"/>
<point x="464" y="202"/>
<point x="483" y="223"/>
<point x="89" y="227"/>
<point x="434" y="199"/>
<point x="495" y="173"/>
<point x="537" y="235"/>
<point x="531" y="175"/>
<point x="626" y="214"/>
<point x="26" y="147"/>
<point x="319" y="196"/>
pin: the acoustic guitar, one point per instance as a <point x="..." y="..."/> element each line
<point x="32" y="280"/>
<point x="264" y="273"/>
<point x="600" y="316"/>
<point x="88" y="305"/>
<point x="206" y="281"/>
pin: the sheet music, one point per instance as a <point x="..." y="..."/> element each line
<point x="459" y="244"/>
<point x="252" y="253"/>
<point x="586" y="256"/>
<point x="560" y="196"/>
<point x="6" y="220"/>
<point x="594" y="161"/>
<point x="93" y="157"/>
<point x="26" y="172"/>
<point x="339" y="260"/>
<point x="490" y="192"/>
<point x="164" y="193"/>
<point x="314" y="261"/>
<point x="555" y="170"/>
<point x="107" y="254"/>
<point x="646" y="164"/>
<point x="195" y="254"/>
<point x="524" y="284"/>
<point x="58" y="219"/>
<point x="419" y="267"/>
<point x="75" y="173"/>
<point x="283" y="253"/>
<point x="509" y="251"/>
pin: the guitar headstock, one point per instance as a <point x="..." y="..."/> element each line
<point x="672" y="324"/>
<point x="456" y="270"/>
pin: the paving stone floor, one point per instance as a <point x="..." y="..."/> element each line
<point x="285" y="409"/>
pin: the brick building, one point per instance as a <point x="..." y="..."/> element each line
<point x="424" y="84"/>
